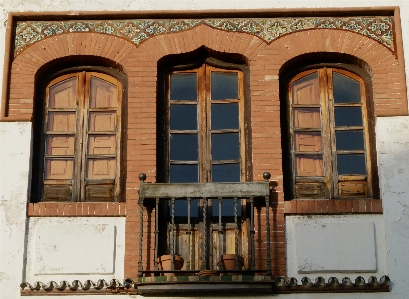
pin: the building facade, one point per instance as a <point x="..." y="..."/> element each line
<point x="275" y="136"/>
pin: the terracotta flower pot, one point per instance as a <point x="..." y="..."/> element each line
<point x="165" y="262"/>
<point x="229" y="262"/>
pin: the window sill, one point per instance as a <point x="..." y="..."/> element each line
<point x="76" y="209"/>
<point x="333" y="206"/>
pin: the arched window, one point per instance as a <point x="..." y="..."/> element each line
<point x="328" y="135"/>
<point x="202" y="140"/>
<point x="81" y="138"/>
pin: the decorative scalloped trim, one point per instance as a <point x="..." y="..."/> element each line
<point x="268" y="29"/>
<point x="279" y="284"/>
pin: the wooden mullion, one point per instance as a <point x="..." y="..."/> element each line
<point x="368" y="158"/>
<point x="347" y="104"/>
<point x="327" y="123"/>
<point x="204" y="93"/>
<point x="345" y="128"/>
<point x="350" y="152"/>
<point x="57" y="181"/>
<point x="242" y="137"/>
<point x="101" y="133"/>
<point x="83" y="100"/>
<point x="227" y="101"/>
<point x="308" y="153"/>
<point x="219" y="162"/>
<point x="182" y="102"/>
<point x="50" y="133"/>
<point x="184" y="132"/>
<point x="99" y="181"/>
<point x="61" y="109"/>
<point x="299" y="179"/>
<point x="306" y="106"/>
<point x="316" y="130"/>
<point x="104" y="156"/>
<point x="221" y="131"/>
<point x="59" y="156"/>
<point x="183" y="162"/>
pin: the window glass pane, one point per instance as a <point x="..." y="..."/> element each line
<point x="224" y="86"/>
<point x="183" y="117"/>
<point x="183" y="87"/>
<point x="184" y="147"/>
<point x="103" y="94"/>
<point x="309" y="165"/>
<point x="226" y="172"/>
<point x="183" y="174"/>
<point x="346" y="90"/>
<point x="351" y="164"/>
<point x="305" y="90"/>
<point x="102" y="121"/>
<point x="101" y="145"/>
<point x="101" y="168"/>
<point x="348" y="116"/>
<point x="225" y="116"/>
<point x="225" y="146"/>
<point x="59" y="168"/>
<point x="61" y="121"/>
<point x="181" y="208"/>
<point x="307" y="118"/>
<point x="308" y="141"/>
<point x="63" y="94"/>
<point x="60" y="145"/>
<point x="349" y="140"/>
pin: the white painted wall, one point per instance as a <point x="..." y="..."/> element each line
<point x="14" y="160"/>
<point x="392" y="146"/>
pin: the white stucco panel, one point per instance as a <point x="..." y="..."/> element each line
<point x="69" y="248"/>
<point x="74" y="248"/>
<point x="335" y="247"/>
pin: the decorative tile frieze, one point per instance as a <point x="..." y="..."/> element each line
<point x="268" y="29"/>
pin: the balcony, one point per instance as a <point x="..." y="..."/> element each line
<point x="202" y="222"/>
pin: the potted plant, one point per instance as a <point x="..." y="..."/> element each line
<point x="165" y="263"/>
<point x="229" y="262"/>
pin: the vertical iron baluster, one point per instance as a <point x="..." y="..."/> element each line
<point x="172" y="240"/>
<point x="252" y="232"/>
<point x="220" y="235"/>
<point x="266" y="176"/>
<point x="140" y="268"/>
<point x="156" y="232"/>
<point x="268" y="235"/>
<point x="236" y="236"/>
<point x="142" y="178"/>
<point x="204" y="266"/>
<point x="189" y="233"/>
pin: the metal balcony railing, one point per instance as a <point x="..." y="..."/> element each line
<point x="155" y="194"/>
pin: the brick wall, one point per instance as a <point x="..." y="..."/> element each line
<point x="139" y="63"/>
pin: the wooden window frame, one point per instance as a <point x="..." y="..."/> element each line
<point x="332" y="181"/>
<point x="204" y="102"/>
<point x="102" y="189"/>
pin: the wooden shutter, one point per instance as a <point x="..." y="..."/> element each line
<point x="82" y="132"/>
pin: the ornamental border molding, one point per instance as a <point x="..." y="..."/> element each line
<point x="137" y="31"/>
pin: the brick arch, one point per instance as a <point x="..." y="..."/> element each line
<point x="388" y="87"/>
<point x="203" y="35"/>
<point x="26" y="65"/>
